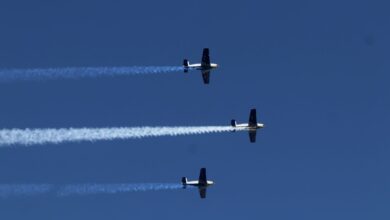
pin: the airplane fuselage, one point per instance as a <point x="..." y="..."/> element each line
<point x="198" y="66"/>
<point x="251" y="126"/>
<point x="196" y="183"/>
<point x="205" y="66"/>
<point x="202" y="183"/>
<point x="247" y="126"/>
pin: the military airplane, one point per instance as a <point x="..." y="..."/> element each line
<point x="202" y="183"/>
<point x="205" y="66"/>
<point x="252" y="125"/>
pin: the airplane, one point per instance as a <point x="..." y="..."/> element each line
<point x="202" y="183"/>
<point x="205" y="66"/>
<point x="252" y="125"/>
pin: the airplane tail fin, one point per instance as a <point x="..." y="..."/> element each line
<point x="233" y="123"/>
<point x="184" y="181"/>
<point x="252" y="118"/>
<point x="186" y="63"/>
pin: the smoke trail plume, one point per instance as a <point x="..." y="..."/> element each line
<point x="7" y="75"/>
<point x="21" y="190"/>
<point x="85" y="189"/>
<point x="7" y="190"/>
<point x="56" y="136"/>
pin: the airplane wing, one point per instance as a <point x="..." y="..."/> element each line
<point x="205" y="57"/>
<point x="206" y="76"/>
<point x="202" y="192"/>
<point x="252" y="136"/>
<point x="252" y="118"/>
<point x="202" y="176"/>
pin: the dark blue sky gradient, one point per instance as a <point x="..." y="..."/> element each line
<point x="317" y="71"/>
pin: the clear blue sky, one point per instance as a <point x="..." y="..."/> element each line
<point x="317" y="71"/>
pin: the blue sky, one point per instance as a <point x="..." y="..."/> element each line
<point x="317" y="72"/>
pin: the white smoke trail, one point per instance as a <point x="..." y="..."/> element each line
<point x="56" y="136"/>
<point x="20" y="190"/>
<point x="85" y="189"/>
<point x="7" y="75"/>
<point x="7" y="190"/>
